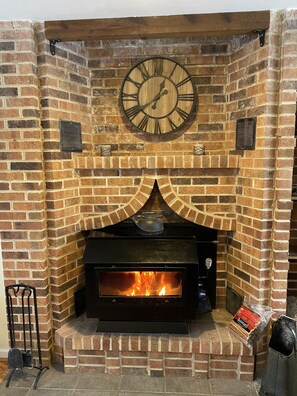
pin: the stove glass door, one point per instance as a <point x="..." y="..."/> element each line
<point x="146" y="283"/>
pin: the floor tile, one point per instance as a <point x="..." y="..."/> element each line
<point x="21" y="378"/>
<point x="186" y="394"/>
<point x="54" y="382"/>
<point x="139" y="393"/>
<point x="57" y="380"/>
<point x="13" y="391"/>
<point x="232" y="387"/>
<point x="142" y="384"/>
<point x="95" y="393"/>
<point x="50" y="392"/>
<point x="187" y="385"/>
<point x="97" y="382"/>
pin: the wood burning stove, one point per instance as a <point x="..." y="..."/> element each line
<point x="137" y="283"/>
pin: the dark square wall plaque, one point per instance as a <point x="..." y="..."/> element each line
<point x="246" y="134"/>
<point x="70" y="136"/>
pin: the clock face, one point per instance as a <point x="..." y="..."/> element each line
<point x="157" y="95"/>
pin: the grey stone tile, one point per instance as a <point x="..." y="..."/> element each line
<point x="22" y="378"/>
<point x="54" y="382"/>
<point x="13" y="391"/>
<point x="49" y="392"/>
<point x="186" y="394"/>
<point x="142" y="384"/>
<point x="95" y="393"/>
<point x="187" y="385"/>
<point x="229" y="387"/>
<point x="139" y="393"/>
<point x="99" y="381"/>
<point x="55" y="379"/>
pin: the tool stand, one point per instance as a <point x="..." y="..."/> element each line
<point x="20" y="317"/>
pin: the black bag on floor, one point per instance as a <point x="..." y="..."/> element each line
<point x="280" y="374"/>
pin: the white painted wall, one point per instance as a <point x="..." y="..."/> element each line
<point x="44" y="10"/>
<point x="3" y="320"/>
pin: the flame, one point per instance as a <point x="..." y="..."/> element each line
<point x="140" y="283"/>
<point x="163" y="291"/>
<point x="146" y="284"/>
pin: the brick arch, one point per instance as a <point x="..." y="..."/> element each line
<point x="189" y="212"/>
<point x="181" y="208"/>
<point x="133" y="206"/>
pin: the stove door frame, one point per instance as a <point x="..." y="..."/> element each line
<point x="142" y="308"/>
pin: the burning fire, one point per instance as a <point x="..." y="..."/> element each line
<point x="147" y="283"/>
<point x="163" y="291"/>
<point x="140" y="283"/>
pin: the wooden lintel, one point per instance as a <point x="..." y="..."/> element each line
<point x="234" y="23"/>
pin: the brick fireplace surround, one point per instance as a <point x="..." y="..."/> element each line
<point x="49" y="197"/>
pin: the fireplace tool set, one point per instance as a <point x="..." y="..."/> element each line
<point x="22" y="318"/>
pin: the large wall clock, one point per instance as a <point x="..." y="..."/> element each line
<point x="157" y="95"/>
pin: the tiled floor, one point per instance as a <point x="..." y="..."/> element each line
<point x="55" y="382"/>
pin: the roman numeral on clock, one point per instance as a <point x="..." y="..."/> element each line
<point x="158" y="63"/>
<point x="172" y="124"/>
<point x="173" y="70"/>
<point x="143" y="123"/>
<point x="184" y="81"/>
<point x="181" y="113"/>
<point x="129" y="97"/>
<point x="136" y="83"/>
<point x="157" y="128"/>
<point x="133" y="111"/>
<point x="186" y="97"/>
<point x="141" y="67"/>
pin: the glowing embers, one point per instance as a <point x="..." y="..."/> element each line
<point x="140" y="283"/>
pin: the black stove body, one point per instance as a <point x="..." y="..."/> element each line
<point x="137" y="283"/>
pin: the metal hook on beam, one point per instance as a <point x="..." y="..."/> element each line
<point x="53" y="46"/>
<point x="261" y="35"/>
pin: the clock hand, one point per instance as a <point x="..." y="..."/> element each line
<point x="157" y="97"/>
<point x="162" y="85"/>
<point x="148" y="103"/>
<point x="165" y="92"/>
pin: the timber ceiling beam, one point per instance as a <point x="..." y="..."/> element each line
<point x="234" y="23"/>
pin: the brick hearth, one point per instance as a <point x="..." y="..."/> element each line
<point x="210" y="350"/>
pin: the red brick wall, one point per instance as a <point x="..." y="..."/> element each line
<point x="64" y="95"/>
<point x="258" y="259"/>
<point x="23" y="209"/>
<point x="48" y="196"/>
<point x="206" y="60"/>
<point x="288" y="100"/>
<point x="252" y="93"/>
<point x="41" y="240"/>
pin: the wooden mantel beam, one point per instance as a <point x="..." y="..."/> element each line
<point x="234" y="23"/>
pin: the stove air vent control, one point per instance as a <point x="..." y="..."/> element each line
<point x="208" y="263"/>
